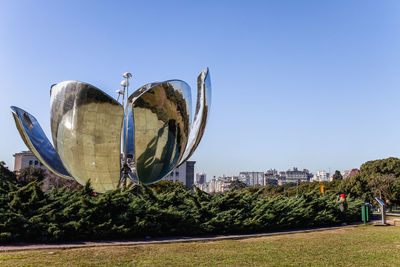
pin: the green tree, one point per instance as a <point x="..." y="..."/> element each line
<point x="386" y="187"/>
<point x="381" y="166"/>
<point x="30" y="174"/>
<point x="376" y="178"/>
<point x="237" y="185"/>
<point x="6" y="174"/>
<point x="337" y="176"/>
<point x="30" y="215"/>
<point x="357" y="187"/>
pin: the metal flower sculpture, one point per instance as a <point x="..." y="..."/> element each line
<point x="157" y="129"/>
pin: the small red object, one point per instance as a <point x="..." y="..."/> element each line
<point x="343" y="196"/>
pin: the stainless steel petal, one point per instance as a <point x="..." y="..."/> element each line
<point x="36" y="140"/>
<point x="86" y="127"/>
<point x="128" y="142"/>
<point x="200" y="117"/>
<point x="161" y="116"/>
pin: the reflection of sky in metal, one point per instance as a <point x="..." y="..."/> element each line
<point x="200" y="118"/>
<point x="86" y="128"/>
<point x="161" y="118"/>
<point x="36" y="140"/>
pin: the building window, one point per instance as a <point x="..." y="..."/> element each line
<point x="30" y="163"/>
<point x="176" y="173"/>
<point x="41" y="164"/>
<point x="36" y="162"/>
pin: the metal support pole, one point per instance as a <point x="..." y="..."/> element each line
<point x="125" y="171"/>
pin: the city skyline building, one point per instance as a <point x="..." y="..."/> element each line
<point x="217" y="185"/>
<point x="252" y="178"/>
<point x="294" y="176"/>
<point x="201" y="178"/>
<point x="349" y="173"/>
<point x="321" y="176"/>
<point x="183" y="174"/>
<point x="271" y="177"/>
<point x="25" y="159"/>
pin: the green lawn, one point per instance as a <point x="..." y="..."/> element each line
<point x="358" y="246"/>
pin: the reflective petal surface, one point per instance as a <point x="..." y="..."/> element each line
<point x="198" y="125"/>
<point x="86" y="123"/>
<point x="36" y="140"/>
<point x="161" y="116"/>
<point x="86" y="127"/>
<point x="128" y="137"/>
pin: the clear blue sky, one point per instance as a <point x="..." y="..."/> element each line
<point x="312" y="84"/>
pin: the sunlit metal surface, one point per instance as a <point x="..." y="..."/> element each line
<point x="161" y="117"/>
<point x="198" y="125"/>
<point x="86" y="127"/>
<point x="36" y="140"/>
<point x="128" y="143"/>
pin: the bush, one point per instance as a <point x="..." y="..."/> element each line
<point x="162" y="209"/>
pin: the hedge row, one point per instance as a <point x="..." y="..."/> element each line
<point x="27" y="214"/>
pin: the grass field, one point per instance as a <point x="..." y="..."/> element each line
<point x="358" y="246"/>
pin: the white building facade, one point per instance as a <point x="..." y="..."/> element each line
<point x="321" y="176"/>
<point x="26" y="159"/>
<point x="252" y="178"/>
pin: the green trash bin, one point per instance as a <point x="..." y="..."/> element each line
<point x="365" y="212"/>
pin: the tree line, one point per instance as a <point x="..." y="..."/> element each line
<point x="29" y="214"/>
<point x="377" y="178"/>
